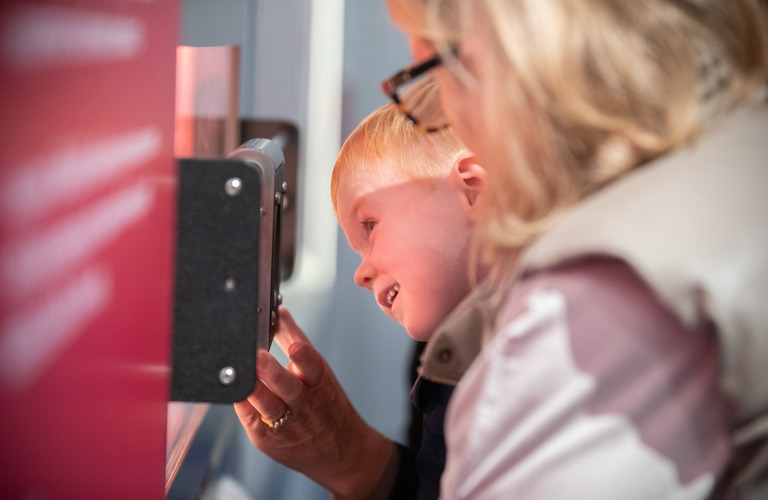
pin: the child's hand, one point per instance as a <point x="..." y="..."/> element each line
<point x="315" y="429"/>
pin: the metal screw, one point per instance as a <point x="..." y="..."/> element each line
<point x="227" y="375"/>
<point x="230" y="284"/>
<point x="279" y="299"/>
<point x="278" y="198"/>
<point x="233" y="186"/>
<point x="263" y="211"/>
<point x="285" y="187"/>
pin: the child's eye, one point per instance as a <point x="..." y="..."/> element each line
<point x="368" y="225"/>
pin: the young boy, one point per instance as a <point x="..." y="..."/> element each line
<point x="406" y="201"/>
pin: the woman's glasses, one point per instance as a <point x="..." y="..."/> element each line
<point x="402" y="88"/>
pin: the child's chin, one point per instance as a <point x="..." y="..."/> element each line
<point x="418" y="334"/>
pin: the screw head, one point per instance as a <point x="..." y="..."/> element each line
<point x="230" y="284"/>
<point x="233" y="186"/>
<point x="227" y="375"/>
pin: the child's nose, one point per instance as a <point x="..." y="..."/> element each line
<point x="364" y="275"/>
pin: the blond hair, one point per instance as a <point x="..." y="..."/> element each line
<point x="580" y="93"/>
<point x="386" y="138"/>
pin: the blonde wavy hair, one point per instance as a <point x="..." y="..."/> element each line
<point x="578" y="93"/>
<point x="388" y="145"/>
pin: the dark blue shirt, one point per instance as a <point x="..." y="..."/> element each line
<point x="422" y="463"/>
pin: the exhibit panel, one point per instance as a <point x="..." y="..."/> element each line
<point x="87" y="206"/>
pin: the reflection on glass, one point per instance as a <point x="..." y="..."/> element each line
<point x="183" y="421"/>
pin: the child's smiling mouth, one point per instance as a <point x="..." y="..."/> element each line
<point x="392" y="294"/>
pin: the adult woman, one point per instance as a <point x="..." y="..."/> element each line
<point x="627" y="333"/>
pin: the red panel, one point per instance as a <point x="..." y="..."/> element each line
<point x="87" y="183"/>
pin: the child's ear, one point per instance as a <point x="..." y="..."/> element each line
<point x="469" y="178"/>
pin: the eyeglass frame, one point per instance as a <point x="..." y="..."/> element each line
<point x="405" y="75"/>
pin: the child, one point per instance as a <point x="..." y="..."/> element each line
<point x="406" y="201"/>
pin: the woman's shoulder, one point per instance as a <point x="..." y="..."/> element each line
<point x="592" y="291"/>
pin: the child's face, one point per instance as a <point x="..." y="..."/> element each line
<point x="413" y="237"/>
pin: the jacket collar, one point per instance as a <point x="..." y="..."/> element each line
<point x="458" y="340"/>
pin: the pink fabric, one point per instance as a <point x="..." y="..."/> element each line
<point x="589" y="389"/>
